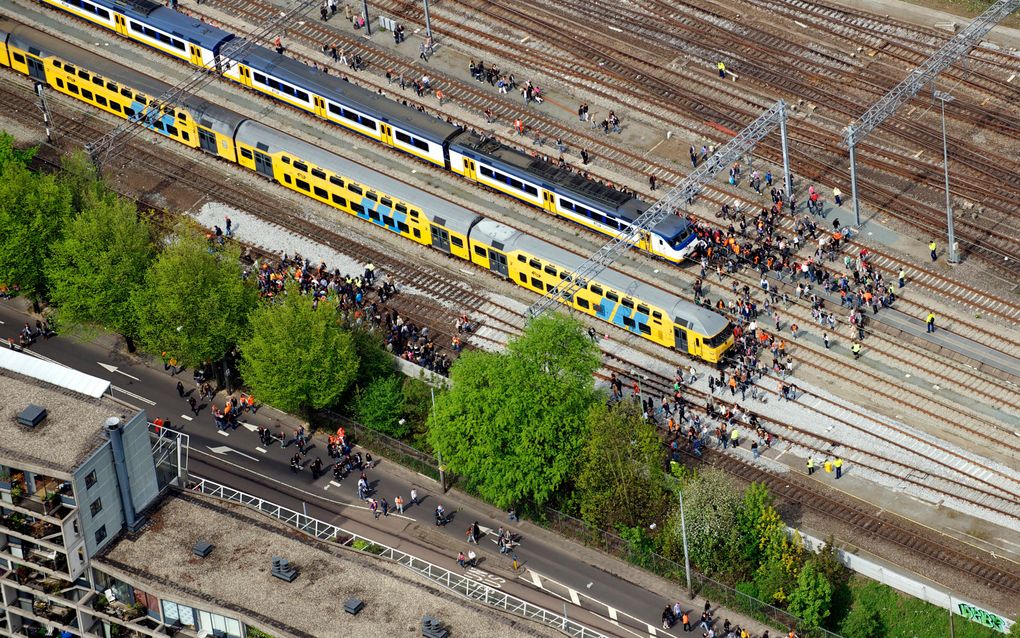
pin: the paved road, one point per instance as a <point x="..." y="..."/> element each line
<point x="556" y="577"/>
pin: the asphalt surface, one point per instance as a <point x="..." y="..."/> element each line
<point x="558" y="575"/>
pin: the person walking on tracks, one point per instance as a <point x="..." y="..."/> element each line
<point x="930" y="321"/>
<point x="856" y="349"/>
<point x="810" y="465"/>
<point x="933" y="248"/>
<point x="838" y="464"/>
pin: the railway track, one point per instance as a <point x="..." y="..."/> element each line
<point x="183" y="173"/>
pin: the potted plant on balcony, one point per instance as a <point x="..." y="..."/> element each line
<point x="135" y="610"/>
<point x="17" y="491"/>
<point x="52" y="501"/>
<point x="5" y="479"/>
<point x="100" y="603"/>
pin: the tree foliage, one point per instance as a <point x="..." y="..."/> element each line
<point x="864" y="621"/>
<point x="9" y="154"/>
<point x="514" y="424"/>
<point x="810" y="600"/>
<point x="621" y="481"/>
<point x="758" y="523"/>
<point x="33" y="211"/>
<point x="711" y="506"/>
<point x="380" y="406"/>
<point x="375" y="362"/>
<point x="297" y="358"/>
<point x="194" y="303"/>
<point x="99" y="263"/>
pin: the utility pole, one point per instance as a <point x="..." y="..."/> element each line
<point x="368" y="22"/>
<point x="39" y="88"/>
<point x="428" y="21"/>
<point x="951" y="256"/>
<point x="683" y="533"/>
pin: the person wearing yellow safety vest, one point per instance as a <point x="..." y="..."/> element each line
<point x="828" y="466"/>
<point x="930" y="321"/>
<point x="735" y="438"/>
<point x="722" y="69"/>
<point x="933" y="247"/>
<point x="856" y="349"/>
<point x="810" y="466"/>
<point x="838" y="464"/>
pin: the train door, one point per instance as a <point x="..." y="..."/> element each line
<point x="469" y="168"/>
<point x="320" y="106"/>
<point x="119" y="24"/>
<point x="207" y="141"/>
<point x="36" y="70"/>
<point x="245" y="74"/>
<point x="264" y="165"/>
<point x="497" y="263"/>
<point x="196" y="55"/>
<point x="440" y="239"/>
<point x="550" y="202"/>
<point x="387" y="134"/>
<point x="681" y="339"/>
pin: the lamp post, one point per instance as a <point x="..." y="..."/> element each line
<point x="683" y="533"/>
<point x="951" y="256"/>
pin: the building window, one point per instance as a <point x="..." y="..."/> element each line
<point x="101" y="534"/>
<point x="90" y="479"/>
<point x="96" y="507"/>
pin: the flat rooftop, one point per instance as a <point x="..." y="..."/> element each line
<point x="72" y="430"/>
<point x="236" y="578"/>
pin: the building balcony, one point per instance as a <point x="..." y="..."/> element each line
<point x="55" y="512"/>
<point x="139" y="627"/>
<point x="55" y="589"/>
<point x="42" y="613"/>
<point x="28" y="559"/>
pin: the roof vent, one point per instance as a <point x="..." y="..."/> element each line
<point x="431" y="628"/>
<point x="202" y="549"/>
<point x="353" y="606"/>
<point x="283" y="570"/>
<point x="32" y="416"/>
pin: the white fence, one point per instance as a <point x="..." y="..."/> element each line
<point x="908" y="585"/>
<point x="453" y="581"/>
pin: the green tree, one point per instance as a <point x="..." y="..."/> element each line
<point x="810" y="600"/>
<point x="758" y="521"/>
<point x="33" y="211"/>
<point x="9" y="154"/>
<point x="99" y="263"/>
<point x="514" y="424"/>
<point x="194" y="303"/>
<point x="375" y="362"/>
<point x="380" y="407"/>
<point x="783" y="558"/>
<point x="864" y="622"/>
<point x="81" y="177"/>
<point x="297" y="358"/>
<point x="711" y="505"/>
<point x="621" y="481"/>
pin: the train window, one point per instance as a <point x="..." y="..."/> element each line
<point x="302" y="96"/>
<point x="317" y="172"/>
<point x="523" y="278"/>
<point x="130" y="112"/>
<point x="643" y="327"/>
<point x="550" y="270"/>
<point x="416" y="233"/>
<point x="414" y="213"/>
<point x="182" y="116"/>
<point x="334" y="109"/>
<point x="84" y="75"/>
<point x="456" y="241"/>
<point x="566" y="204"/>
<point x="627" y="303"/>
<point x="125" y="92"/>
<point x="582" y="303"/>
<point x="171" y="129"/>
<point x="480" y="251"/>
<point x="612" y="296"/>
<point x="60" y="83"/>
<point x="388" y="221"/>
<point x="536" y="264"/>
<point x="102" y="13"/>
<point x="246" y="154"/>
<point x="412" y="141"/>
<point x="657" y="315"/>
<point x="185" y="136"/>
<point x="285" y="159"/>
<point x="320" y="192"/>
<point x="56" y="63"/>
<point x="336" y="181"/>
<point x="367" y="123"/>
<point x="112" y="86"/>
<point x="387" y="202"/>
<point x="374" y="215"/>
<point x="403" y="227"/>
<point x="643" y="309"/>
<point x="355" y="188"/>
<point x="522" y="259"/>
<point x="100" y="100"/>
<point x="536" y="283"/>
<point x="372" y="196"/>
<point x="549" y="287"/>
<point x="158" y="125"/>
<point x="141" y="99"/>
<point x="339" y="201"/>
<point x="597" y="289"/>
<point x="302" y="184"/>
<point x="301" y="166"/>
<point x="261" y="79"/>
<point x="135" y="26"/>
<point x="358" y="208"/>
<point x="98" y="81"/>
<point x="627" y="321"/>
<point x="69" y="69"/>
<point x="20" y="59"/>
<point x="287" y="178"/>
<point x="403" y="209"/>
<point x="87" y="94"/>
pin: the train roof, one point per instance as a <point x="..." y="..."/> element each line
<point x="207" y="114"/>
<point x="344" y="92"/>
<point x="683" y="312"/>
<point x="668" y="228"/>
<point x="456" y="218"/>
<point x="560" y="179"/>
<point x="183" y="26"/>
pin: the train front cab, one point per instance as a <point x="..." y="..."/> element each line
<point x="710" y="349"/>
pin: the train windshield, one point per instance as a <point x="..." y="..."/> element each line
<point x="682" y="237"/>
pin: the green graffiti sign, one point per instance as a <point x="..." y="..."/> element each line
<point x="982" y="617"/>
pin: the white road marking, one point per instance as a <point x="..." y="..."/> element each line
<point x="612" y="613"/>
<point x="130" y="394"/>
<point x="223" y="432"/>
<point x="249" y="426"/>
<point x="574" y="598"/>
<point x="334" y="484"/>
<point x="258" y="449"/>
<point x="186" y="417"/>
<point x="536" y="579"/>
<point x="223" y="449"/>
<point x="110" y="368"/>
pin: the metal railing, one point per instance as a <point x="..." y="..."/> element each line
<point x="455" y="582"/>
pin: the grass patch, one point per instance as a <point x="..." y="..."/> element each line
<point x="966" y="8"/>
<point x="903" y="616"/>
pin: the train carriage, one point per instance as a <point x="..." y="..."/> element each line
<point x="354" y="189"/>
